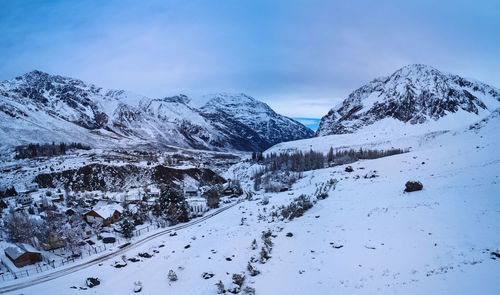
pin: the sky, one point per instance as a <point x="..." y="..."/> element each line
<point x="300" y="57"/>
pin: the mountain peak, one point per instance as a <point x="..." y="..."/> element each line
<point x="414" y="94"/>
<point x="35" y="74"/>
<point x="181" y="98"/>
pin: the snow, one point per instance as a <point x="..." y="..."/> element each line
<point x="14" y="252"/>
<point x="106" y="210"/>
<point x="437" y="240"/>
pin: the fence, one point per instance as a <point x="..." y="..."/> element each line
<point x="87" y="251"/>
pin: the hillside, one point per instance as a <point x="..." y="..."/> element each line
<point x="368" y="236"/>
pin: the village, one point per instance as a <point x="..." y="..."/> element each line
<point x="45" y="228"/>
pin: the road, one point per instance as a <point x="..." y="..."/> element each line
<point x="74" y="268"/>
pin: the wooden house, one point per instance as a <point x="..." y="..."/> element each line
<point x="23" y="254"/>
<point x="104" y="213"/>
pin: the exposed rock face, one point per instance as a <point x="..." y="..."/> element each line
<point x="252" y="121"/>
<point x="46" y="108"/>
<point x="414" y="94"/>
<point x="114" y="178"/>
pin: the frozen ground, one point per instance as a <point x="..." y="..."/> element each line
<point x="435" y="241"/>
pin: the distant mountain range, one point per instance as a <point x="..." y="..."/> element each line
<point x="413" y="95"/>
<point x="38" y="107"/>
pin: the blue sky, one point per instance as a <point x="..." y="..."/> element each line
<point x="301" y="57"/>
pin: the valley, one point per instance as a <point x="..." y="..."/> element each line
<point x="374" y="203"/>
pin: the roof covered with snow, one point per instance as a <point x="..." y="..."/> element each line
<point x="106" y="210"/>
<point x="16" y="251"/>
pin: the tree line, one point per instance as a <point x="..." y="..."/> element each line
<point x="34" y="150"/>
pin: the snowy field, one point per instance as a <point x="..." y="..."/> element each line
<point x="367" y="237"/>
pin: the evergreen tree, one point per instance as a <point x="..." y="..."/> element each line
<point x="172" y="206"/>
<point x="127" y="228"/>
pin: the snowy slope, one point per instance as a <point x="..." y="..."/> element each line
<point x="38" y="107"/>
<point x="438" y="240"/>
<point x="413" y="95"/>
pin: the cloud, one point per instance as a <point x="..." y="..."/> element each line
<point x="301" y="57"/>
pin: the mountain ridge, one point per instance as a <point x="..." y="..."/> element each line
<point x="44" y="102"/>
<point x="414" y="94"/>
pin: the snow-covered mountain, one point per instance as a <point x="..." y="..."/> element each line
<point x="413" y="95"/>
<point x="251" y="122"/>
<point x="38" y="107"/>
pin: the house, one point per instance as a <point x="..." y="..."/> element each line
<point x="31" y="187"/>
<point x="104" y="213"/>
<point x="197" y="206"/>
<point x="25" y="188"/>
<point x="232" y="191"/>
<point x="54" y="241"/>
<point x="70" y="212"/>
<point x="190" y="192"/>
<point x="57" y="198"/>
<point x="3" y="205"/>
<point x="153" y="193"/>
<point x="23" y="254"/>
<point x="24" y="199"/>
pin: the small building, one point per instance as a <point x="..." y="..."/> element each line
<point x="24" y="199"/>
<point x="191" y="192"/>
<point x="23" y="254"/>
<point x="25" y="188"/>
<point x="3" y="204"/>
<point x="197" y="206"/>
<point x="31" y="187"/>
<point x="70" y="212"/>
<point x="57" y="198"/>
<point x="104" y="213"/>
<point x="232" y="191"/>
<point x="153" y="193"/>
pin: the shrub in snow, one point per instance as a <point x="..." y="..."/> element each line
<point x="119" y="264"/>
<point x="234" y="289"/>
<point x="289" y="235"/>
<point x="412" y="186"/>
<point x="297" y="207"/>
<point x="266" y="238"/>
<point x="172" y="276"/>
<point x="264" y="255"/>
<point x="137" y="287"/>
<point x="265" y="200"/>
<point x="145" y="255"/>
<point x="207" y="275"/>
<point x="349" y="169"/>
<point x="220" y="287"/>
<point x="238" y="279"/>
<point x="249" y="290"/>
<point x="371" y="174"/>
<point x="322" y="196"/>
<point x="251" y="270"/>
<point x="254" y="244"/>
<point x="92" y="282"/>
